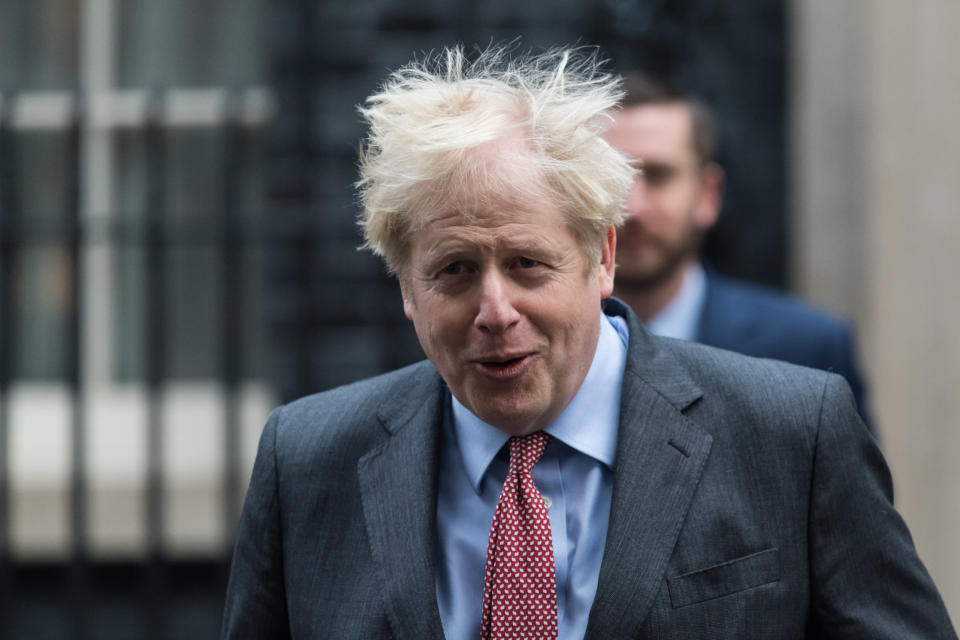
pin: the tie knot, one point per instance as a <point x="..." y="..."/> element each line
<point x="526" y="450"/>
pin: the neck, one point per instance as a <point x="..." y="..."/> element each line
<point x="648" y="299"/>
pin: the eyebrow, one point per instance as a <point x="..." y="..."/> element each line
<point x="520" y="242"/>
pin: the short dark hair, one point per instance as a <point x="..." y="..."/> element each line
<point x="643" y="89"/>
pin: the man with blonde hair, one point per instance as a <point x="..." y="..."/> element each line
<point x="552" y="470"/>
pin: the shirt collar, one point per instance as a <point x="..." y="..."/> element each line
<point x="679" y="319"/>
<point x="589" y="424"/>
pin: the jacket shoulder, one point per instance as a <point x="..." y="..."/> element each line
<point x="354" y="416"/>
<point x="771" y="303"/>
<point x="761" y="322"/>
<point x="739" y="371"/>
<point x="766" y="393"/>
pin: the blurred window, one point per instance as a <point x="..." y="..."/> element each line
<point x="132" y="196"/>
<point x="172" y="110"/>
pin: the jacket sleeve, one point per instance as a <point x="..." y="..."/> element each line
<point x="866" y="578"/>
<point x="255" y="605"/>
<point x="843" y="360"/>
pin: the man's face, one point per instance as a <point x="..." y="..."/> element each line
<point x="673" y="203"/>
<point x="506" y="305"/>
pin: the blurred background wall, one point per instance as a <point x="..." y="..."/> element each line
<point x="178" y="249"/>
<point x="875" y="231"/>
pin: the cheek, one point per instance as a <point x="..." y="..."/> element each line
<point x="676" y="205"/>
<point x="569" y="322"/>
<point x="443" y="329"/>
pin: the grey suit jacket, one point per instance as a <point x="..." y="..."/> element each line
<point x="749" y="501"/>
<point x="761" y="322"/>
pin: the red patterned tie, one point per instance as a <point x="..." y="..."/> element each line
<point x="520" y="586"/>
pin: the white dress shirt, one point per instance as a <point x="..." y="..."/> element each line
<point x="681" y="317"/>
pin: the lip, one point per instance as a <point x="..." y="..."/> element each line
<point x="503" y="367"/>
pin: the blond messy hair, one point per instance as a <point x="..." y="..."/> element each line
<point x="433" y="122"/>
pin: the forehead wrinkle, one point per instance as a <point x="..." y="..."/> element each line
<point x="464" y="237"/>
<point x="513" y="237"/>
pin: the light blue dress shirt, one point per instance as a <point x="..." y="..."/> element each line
<point x="681" y="317"/>
<point x="575" y="475"/>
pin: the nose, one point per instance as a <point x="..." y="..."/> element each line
<point x="496" y="313"/>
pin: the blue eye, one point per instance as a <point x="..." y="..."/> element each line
<point x="526" y="263"/>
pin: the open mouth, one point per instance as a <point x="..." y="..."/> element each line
<point x="504" y="369"/>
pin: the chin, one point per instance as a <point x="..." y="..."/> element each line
<point x="514" y="418"/>
<point x="644" y="277"/>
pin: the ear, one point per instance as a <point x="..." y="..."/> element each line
<point x="608" y="263"/>
<point x="407" y="299"/>
<point x="712" y="179"/>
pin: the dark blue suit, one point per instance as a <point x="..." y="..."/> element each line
<point x="764" y="323"/>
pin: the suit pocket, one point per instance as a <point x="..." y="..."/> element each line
<point x="750" y="571"/>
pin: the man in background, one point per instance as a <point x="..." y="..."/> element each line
<point x="674" y="201"/>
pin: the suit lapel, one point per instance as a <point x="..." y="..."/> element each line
<point x="660" y="458"/>
<point x="398" y="488"/>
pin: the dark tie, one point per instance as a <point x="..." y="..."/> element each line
<point x="520" y="586"/>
